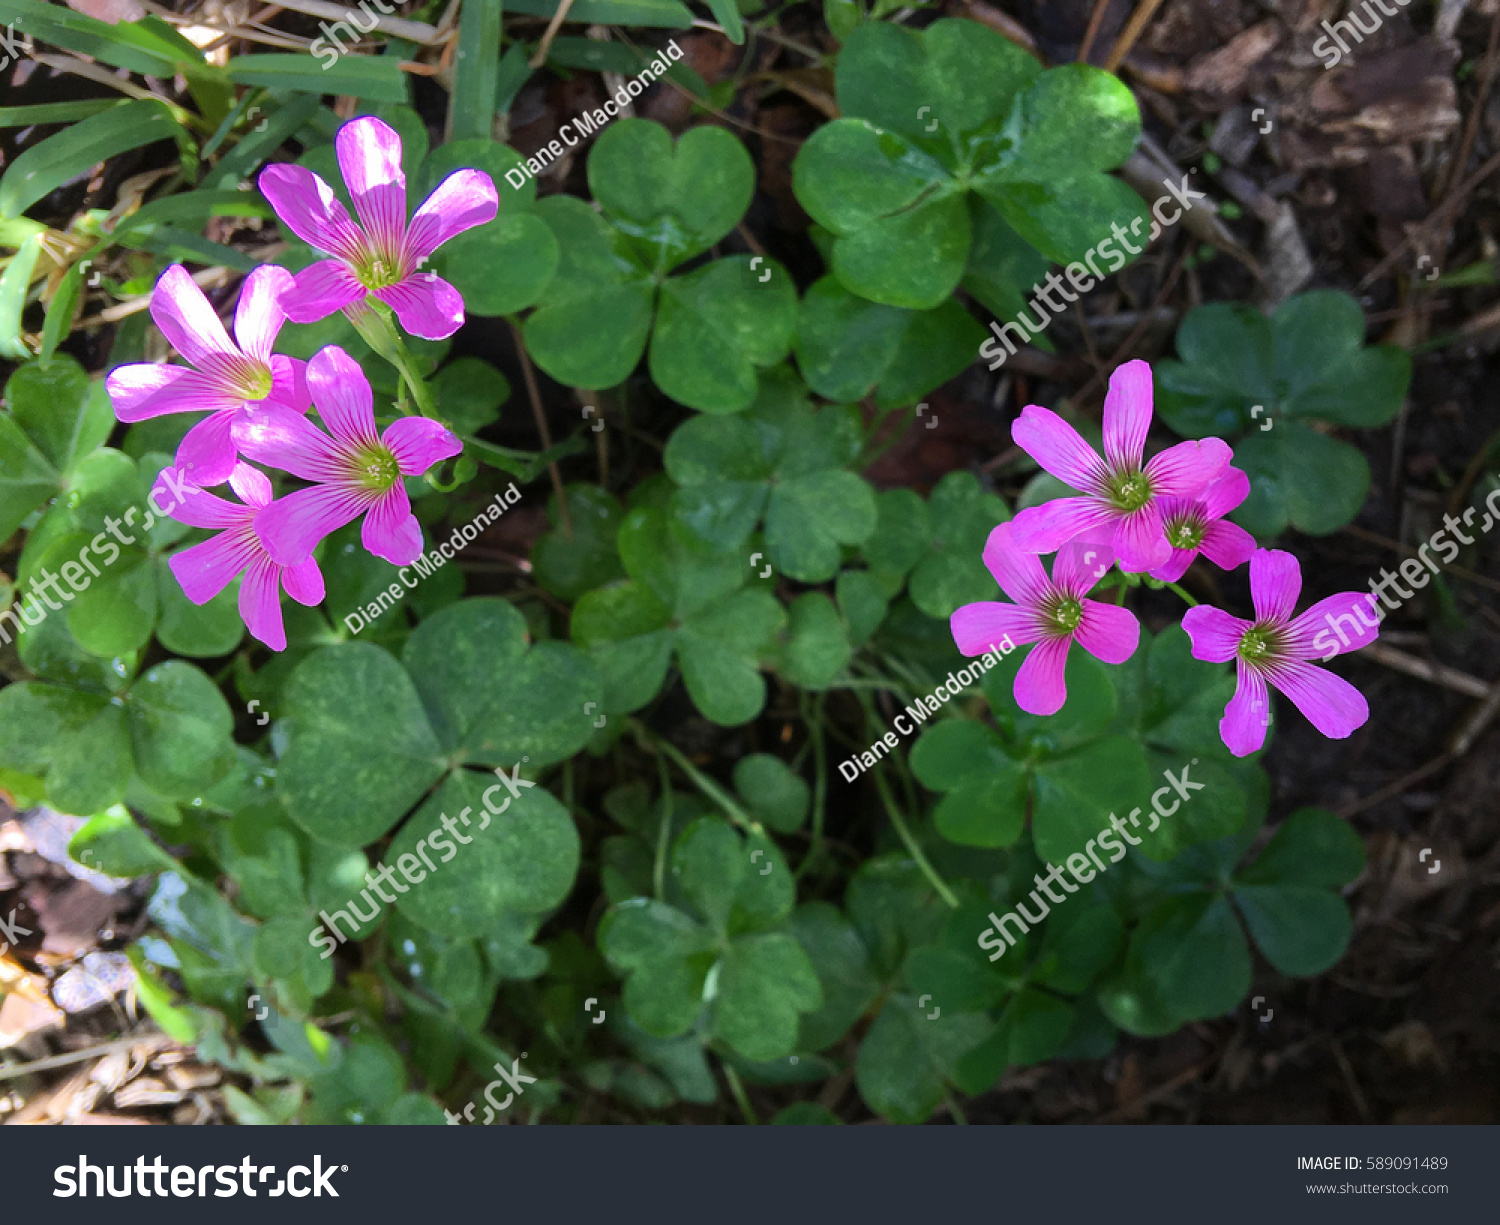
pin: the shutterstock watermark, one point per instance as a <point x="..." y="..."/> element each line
<point x="514" y="1077"/>
<point x="1355" y="28"/>
<point x="1413" y="570"/>
<point x="411" y="867"/>
<point x="328" y="33"/>
<point x="189" y="1181"/>
<point x="1078" y="864"/>
<point x="10" y="929"/>
<point x="1079" y="275"/>
<point x="77" y="574"/>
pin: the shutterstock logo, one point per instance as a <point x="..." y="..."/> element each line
<point x="188" y="1181"/>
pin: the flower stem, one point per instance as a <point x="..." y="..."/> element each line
<point x="899" y="822"/>
<point x="1191" y="603"/>
<point x="740" y="1096"/>
<point x="700" y="780"/>
<point x="374" y="325"/>
<point x="664" y="834"/>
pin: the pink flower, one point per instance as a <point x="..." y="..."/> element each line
<point x="1050" y="612"/>
<point x="206" y="569"/>
<point x="1275" y="648"/>
<point x="1122" y="502"/>
<point x="382" y="254"/>
<point x="220" y="378"/>
<point x="1197" y="525"/>
<point x="358" y="472"/>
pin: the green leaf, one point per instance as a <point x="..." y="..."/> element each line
<point x="848" y="348"/>
<point x="765" y="983"/>
<point x="1192" y="949"/>
<point x="469" y="393"/>
<point x="1077" y="793"/>
<point x="471" y="105"/>
<point x="360" y="750"/>
<point x="841" y="963"/>
<point x="522" y="860"/>
<point x="953" y="571"/>
<point x="374" y="78"/>
<point x="985" y="789"/>
<point x="15" y="284"/>
<point x="716" y="325"/>
<point x="180" y="730"/>
<point x="668" y="14"/>
<point x="506" y="264"/>
<point x="570" y="565"/>
<point x="1300" y="477"/>
<point x="772" y="791"/>
<point x="44" y="167"/>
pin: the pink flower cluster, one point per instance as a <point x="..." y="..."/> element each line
<point x="1152" y="517"/>
<point x="257" y="401"/>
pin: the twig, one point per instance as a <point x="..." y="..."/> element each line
<point x="1481" y="96"/>
<point x="1437" y="674"/>
<point x="545" y="45"/>
<point x="209" y="278"/>
<point x="1138" y="331"/>
<point x="412" y="31"/>
<point x="534" y="394"/>
<point x="1156" y="1094"/>
<point x="1096" y="19"/>
<point x="154" y="1041"/>
<point x="1391" y="790"/>
<point x="1133" y="30"/>
<point x="1440" y="213"/>
<point x="1360" y="533"/>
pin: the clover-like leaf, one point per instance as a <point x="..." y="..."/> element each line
<point x="952" y="572"/>
<point x="504" y="265"/>
<point x="1244" y="374"/>
<point x="897" y="188"/>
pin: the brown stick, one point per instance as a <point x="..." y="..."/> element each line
<point x="1096" y="19"/>
<point x="534" y="394"/>
<point x="1136" y="27"/>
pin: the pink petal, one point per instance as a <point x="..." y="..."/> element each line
<point x="251" y="486"/>
<point x="464" y="199"/>
<point x="1331" y="704"/>
<point x="206" y="455"/>
<point x="1227" y="545"/>
<point x="1243" y="727"/>
<point x="1275" y="584"/>
<point x="1018" y="571"/>
<point x="260" y="603"/>
<point x="1059" y="448"/>
<point x="426" y="304"/>
<point x="982" y="627"/>
<point x="1108" y="632"/>
<point x="1332" y="626"/>
<point x="1214" y="633"/>
<point x="304" y="583"/>
<point x="257" y="316"/>
<point x="176" y="498"/>
<point x="289" y="383"/>
<point x="143" y="391"/>
<point x="291" y="527"/>
<point x="1080" y="564"/>
<point x="369" y="152"/>
<point x="1046" y="528"/>
<point x="419" y="442"/>
<point x="277" y="436"/>
<point x="206" y="569"/>
<point x="1040" y="687"/>
<point x="390" y="530"/>
<point x="1226" y="493"/>
<point x="307" y="206"/>
<point x="1187" y="469"/>
<point x="187" y="320"/>
<point x="1140" y="540"/>
<point x="321" y="289"/>
<point x="343" y="396"/>
<point x="1175" y="566"/>
<point x="1127" y="415"/>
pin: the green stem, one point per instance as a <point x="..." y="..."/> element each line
<point x="814" y="723"/>
<point x="1191" y="603"/>
<point x="739" y="1094"/>
<point x="911" y="843"/>
<point x="700" y="780"/>
<point x="664" y="834"/>
<point x="375" y="327"/>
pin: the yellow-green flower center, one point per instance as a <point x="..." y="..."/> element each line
<point x="378" y="272"/>
<point x="376" y="468"/>
<point x="1261" y="644"/>
<point x="1065" y="613"/>
<point x="1185" y="533"/>
<point x="1129" y="491"/>
<point x="253" y="381"/>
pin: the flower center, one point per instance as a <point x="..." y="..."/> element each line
<point x="1185" y="533"/>
<point x="1065" y="613"/>
<point x="1261" y="644"/>
<point x="1129" y="491"/>
<point x="376" y="468"/>
<point x="379" y="272"/>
